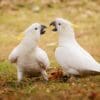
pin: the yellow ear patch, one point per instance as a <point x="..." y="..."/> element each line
<point x="20" y="36"/>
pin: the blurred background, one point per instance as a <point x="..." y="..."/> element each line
<point x="17" y="15"/>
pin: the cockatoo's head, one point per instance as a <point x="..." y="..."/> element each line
<point x="62" y="26"/>
<point x="35" y="30"/>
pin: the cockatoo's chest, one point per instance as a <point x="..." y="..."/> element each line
<point x="64" y="55"/>
<point x="28" y="61"/>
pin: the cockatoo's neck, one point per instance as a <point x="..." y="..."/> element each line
<point x="66" y="38"/>
<point x="29" y="41"/>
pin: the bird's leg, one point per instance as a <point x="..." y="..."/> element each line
<point x="66" y="76"/>
<point x="19" y="73"/>
<point x="43" y="71"/>
<point x="44" y="74"/>
<point x="70" y="74"/>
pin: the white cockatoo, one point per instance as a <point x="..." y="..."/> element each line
<point x="27" y="55"/>
<point x="69" y="54"/>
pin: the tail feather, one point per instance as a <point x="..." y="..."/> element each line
<point x="97" y="68"/>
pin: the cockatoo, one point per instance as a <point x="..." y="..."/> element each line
<point x="69" y="54"/>
<point x="28" y="55"/>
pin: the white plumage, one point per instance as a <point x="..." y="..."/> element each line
<point x="28" y="56"/>
<point x="69" y="54"/>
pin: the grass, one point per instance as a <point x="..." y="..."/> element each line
<point x="85" y="14"/>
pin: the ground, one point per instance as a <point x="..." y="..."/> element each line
<point x="13" y="20"/>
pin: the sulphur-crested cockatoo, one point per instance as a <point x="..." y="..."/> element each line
<point x="69" y="54"/>
<point x="28" y="56"/>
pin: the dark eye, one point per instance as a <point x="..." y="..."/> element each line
<point x="59" y="24"/>
<point x="36" y="28"/>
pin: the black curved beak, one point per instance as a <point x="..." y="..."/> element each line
<point x="53" y="24"/>
<point x="42" y="29"/>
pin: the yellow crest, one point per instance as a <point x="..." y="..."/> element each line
<point x="74" y="25"/>
<point x="20" y="36"/>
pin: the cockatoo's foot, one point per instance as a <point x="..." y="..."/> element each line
<point x="65" y="78"/>
<point x="44" y="74"/>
